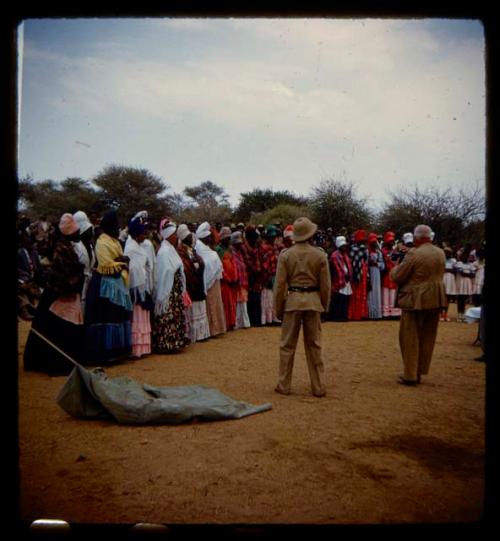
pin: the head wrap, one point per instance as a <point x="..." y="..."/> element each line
<point x="167" y="228"/>
<point x="372" y="237"/>
<point x="82" y="221"/>
<point x="408" y="237"/>
<point x="271" y="231"/>
<point x="360" y="235"/>
<point x="236" y="237"/>
<point x="136" y="227"/>
<point x="203" y="230"/>
<point x="183" y="232"/>
<point x="340" y="241"/>
<point x="389" y="236"/>
<point x="142" y="215"/>
<point x="225" y="232"/>
<point x="288" y="232"/>
<point x="68" y="225"/>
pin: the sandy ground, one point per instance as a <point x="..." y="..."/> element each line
<point x="370" y="452"/>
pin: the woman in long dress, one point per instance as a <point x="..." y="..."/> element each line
<point x="389" y="288"/>
<point x="229" y="282"/>
<point x="375" y="265"/>
<point x="358" y="306"/>
<point x="108" y="307"/>
<point x="242" y="319"/>
<point x="211" y="278"/>
<point x="140" y="273"/>
<point x="84" y="248"/>
<point x="194" y="267"/>
<point x="58" y="316"/>
<point x="169" y="322"/>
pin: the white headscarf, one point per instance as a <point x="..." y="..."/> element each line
<point x="137" y="266"/>
<point x="168" y="262"/>
<point x="213" y="264"/>
<point x="340" y="241"/>
<point x="203" y="230"/>
<point x="182" y="232"/>
<point x="82" y="220"/>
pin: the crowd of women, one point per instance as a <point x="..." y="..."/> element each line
<point x="102" y="291"/>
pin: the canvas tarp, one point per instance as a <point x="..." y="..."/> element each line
<point x="91" y="394"/>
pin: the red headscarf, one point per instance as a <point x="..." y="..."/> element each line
<point x="360" y="235"/>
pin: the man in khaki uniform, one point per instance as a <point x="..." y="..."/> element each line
<point x="421" y="296"/>
<point x="301" y="292"/>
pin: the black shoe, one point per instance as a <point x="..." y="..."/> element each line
<point x="481" y="359"/>
<point x="408" y="382"/>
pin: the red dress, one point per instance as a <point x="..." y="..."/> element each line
<point x="229" y="285"/>
<point x="358" y="306"/>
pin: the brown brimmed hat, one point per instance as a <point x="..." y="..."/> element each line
<point x="303" y="229"/>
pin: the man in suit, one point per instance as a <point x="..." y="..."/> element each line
<point x="301" y="293"/>
<point x="421" y="296"/>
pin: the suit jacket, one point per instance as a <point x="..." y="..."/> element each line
<point x="420" y="279"/>
<point x="302" y="265"/>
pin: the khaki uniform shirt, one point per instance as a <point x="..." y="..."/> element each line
<point x="302" y="265"/>
<point x="420" y="279"/>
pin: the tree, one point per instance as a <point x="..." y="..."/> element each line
<point x="52" y="199"/>
<point x="283" y="213"/>
<point x="447" y="212"/>
<point x="259" y="201"/>
<point x="132" y="189"/>
<point x="209" y="203"/>
<point x="335" y="204"/>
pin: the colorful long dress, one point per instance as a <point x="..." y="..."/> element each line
<point x="141" y="295"/>
<point x="358" y="306"/>
<point x="196" y="312"/>
<point x="269" y="264"/>
<point x="341" y="273"/>
<point x="242" y="319"/>
<point x="169" y="322"/>
<point x="228" y="284"/>
<point x="169" y="328"/>
<point x="108" y="307"/>
<point x="374" y="298"/>
<point x="58" y="316"/>
<point x="211" y="278"/>
<point x="254" y="270"/>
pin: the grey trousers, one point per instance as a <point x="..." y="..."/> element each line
<point x="310" y="321"/>
<point x="417" y="336"/>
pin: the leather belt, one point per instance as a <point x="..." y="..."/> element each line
<point x="303" y="289"/>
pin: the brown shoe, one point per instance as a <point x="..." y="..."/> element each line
<point x="281" y="391"/>
<point x="320" y="395"/>
<point x="408" y="382"/>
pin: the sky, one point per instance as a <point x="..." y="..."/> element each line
<point x="280" y="103"/>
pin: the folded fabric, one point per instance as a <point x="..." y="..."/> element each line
<point x="91" y="394"/>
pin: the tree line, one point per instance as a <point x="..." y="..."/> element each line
<point x="454" y="215"/>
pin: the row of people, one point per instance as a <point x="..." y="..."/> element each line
<point x="110" y="296"/>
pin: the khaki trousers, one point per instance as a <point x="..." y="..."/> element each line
<point x="417" y="336"/>
<point x="311" y="329"/>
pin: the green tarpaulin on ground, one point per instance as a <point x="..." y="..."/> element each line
<point x="91" y="394"/>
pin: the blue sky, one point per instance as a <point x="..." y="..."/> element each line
<point x="247" y="103"/>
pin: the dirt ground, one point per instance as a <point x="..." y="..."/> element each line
<point x="370" y="452"/>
